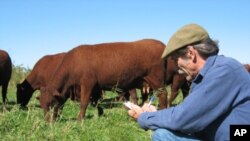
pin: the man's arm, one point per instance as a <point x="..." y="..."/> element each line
<point x="211" y="98"/>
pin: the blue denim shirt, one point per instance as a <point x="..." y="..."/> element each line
<point x="219" y="97"/>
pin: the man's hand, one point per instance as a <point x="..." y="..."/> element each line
<point x="135" y="110"/>
<point x="148" y="108"/>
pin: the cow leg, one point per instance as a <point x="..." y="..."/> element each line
<point x="144" y="95"/>
<point x="47" y="116"/>
<point x="133" y="96"/>
<point x="163" y="99"/>
<point x="95" y="97"/>
<point x="57" y="111"/>
<point x="126" y="95"/>
<point x="174" y="89"/>
<point x="4" y="94"/>
<point x="162" y="94"/>
<point x="84" y="101"/>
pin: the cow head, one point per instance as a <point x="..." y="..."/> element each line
<point x="24" y="93"/>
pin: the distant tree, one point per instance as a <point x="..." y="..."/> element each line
<point x="19" y="73"/>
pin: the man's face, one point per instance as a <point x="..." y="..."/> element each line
<point x="187" y="64"/>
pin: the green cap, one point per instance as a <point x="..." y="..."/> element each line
<point x="188" y="34"/>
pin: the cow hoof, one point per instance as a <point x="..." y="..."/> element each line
<point x="100" y="111"/>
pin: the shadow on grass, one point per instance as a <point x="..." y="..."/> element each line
<point x="11" y="102"/>
<point x="65" y="119"/>
<point x="110" y="103"/>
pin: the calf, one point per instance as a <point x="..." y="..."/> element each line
<point x="38" y="77"/>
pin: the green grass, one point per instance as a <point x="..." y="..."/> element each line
<point x="29" y="125"/>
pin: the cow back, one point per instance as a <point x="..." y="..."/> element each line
<point x="121" y="64"/>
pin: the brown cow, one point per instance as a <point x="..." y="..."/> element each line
<point x="5" y="73"/>
<point x="104" y="66"/>
<point x="38" y="77"/>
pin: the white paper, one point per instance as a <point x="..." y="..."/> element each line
<point x="127" y="104"/>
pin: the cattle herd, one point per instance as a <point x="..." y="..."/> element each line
<point x="83" y="73"/>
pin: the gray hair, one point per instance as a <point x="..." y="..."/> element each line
<point x="205" y="48"/>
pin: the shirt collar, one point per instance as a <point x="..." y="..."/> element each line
<point x="209" y="63"/>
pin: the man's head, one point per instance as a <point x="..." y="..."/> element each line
<point x="188" y="34"/>
<point x="190" y="46"/>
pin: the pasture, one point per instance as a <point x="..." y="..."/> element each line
<point x="28" y="124"/>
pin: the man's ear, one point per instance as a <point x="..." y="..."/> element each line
<point x="191" y="54"/>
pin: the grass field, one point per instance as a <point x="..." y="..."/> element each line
<point x="29" y="125"/>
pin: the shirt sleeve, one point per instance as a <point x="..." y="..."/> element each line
<point x="211" y="98"/>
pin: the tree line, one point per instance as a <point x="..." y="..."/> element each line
<point x="19" y="72"/>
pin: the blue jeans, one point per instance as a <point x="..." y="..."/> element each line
<point x="168" y="135"/>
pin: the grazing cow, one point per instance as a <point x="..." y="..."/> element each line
<point x="5" y="73"/>
<point x="102" y="67"/>
<point x="38" y="77"/>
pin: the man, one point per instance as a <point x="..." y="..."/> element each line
<point x="219" y="94"/>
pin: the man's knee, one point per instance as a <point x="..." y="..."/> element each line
<point x="168" y="135"/>
<point x="162" y="134"/>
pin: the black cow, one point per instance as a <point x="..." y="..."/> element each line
<point x="5" y="73"/>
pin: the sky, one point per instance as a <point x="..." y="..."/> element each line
<point x="31" y="29"/>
